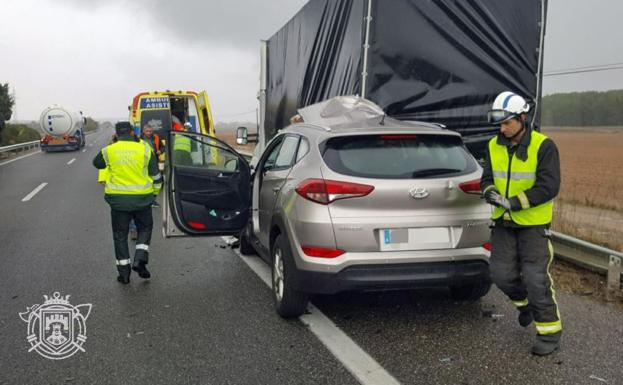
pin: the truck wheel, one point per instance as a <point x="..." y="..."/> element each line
<point x="246" y="248"/>
<point x="470" y="292"/>
<point x="289" y="303"/>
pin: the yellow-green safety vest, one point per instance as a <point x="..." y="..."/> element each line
<point x="128" y="168"/>
<point x="512" y="176"/>
<point x="182" y="143"/>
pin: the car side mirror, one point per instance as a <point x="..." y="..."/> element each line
<point x="242" y="136"/>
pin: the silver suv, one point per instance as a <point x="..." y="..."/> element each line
<point x="372" y="205"/>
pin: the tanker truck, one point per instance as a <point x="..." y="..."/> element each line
<point x="63" y="129"/>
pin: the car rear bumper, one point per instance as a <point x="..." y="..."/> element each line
<point x="394" y="276"/>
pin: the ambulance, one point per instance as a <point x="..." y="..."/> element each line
<point x="161" y="108"/>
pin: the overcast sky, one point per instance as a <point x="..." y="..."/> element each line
<point x="95" y="55"/>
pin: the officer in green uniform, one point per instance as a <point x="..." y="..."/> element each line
<point x="521" y="178"/>
<point x="133" y="179"/>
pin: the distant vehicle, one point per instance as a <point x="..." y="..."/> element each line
<point x="157" y="107"/>
<point x="349" y="199"/>
<point x="62" y="128"/>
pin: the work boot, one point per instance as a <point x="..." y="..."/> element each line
<point x="124" y="275"/>
<point x="546" y="344"/>
<point x="141" y="269"/>
<point x="525" y="316"/>
<point x="123" y="279"/>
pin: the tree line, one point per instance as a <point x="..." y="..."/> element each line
<point x="590" y="108"/>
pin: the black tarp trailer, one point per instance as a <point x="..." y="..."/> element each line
<point x="441" y="61"/>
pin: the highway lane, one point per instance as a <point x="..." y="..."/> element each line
<point x="203" y="318"/>
<point x="206" y="318"/>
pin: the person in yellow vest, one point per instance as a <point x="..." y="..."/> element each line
<point x="521" y="178"/>
<point x="182" y="147"/>
<point x="133" y="179"/>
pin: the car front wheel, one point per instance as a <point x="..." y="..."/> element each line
<point x="289" y="302"/>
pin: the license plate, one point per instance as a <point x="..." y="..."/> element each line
<point x="422" y="238"/>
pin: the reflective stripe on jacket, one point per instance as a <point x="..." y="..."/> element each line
<point x="127" y="163"/>
<point x="512" y="176"/>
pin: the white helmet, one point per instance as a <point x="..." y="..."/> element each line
<point x="506" y="106"/>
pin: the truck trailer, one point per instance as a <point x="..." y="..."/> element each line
<point x="62" y="128"/>
<point x="439" y="61"/>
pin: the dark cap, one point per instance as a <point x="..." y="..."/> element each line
<point x="123" y="127"/>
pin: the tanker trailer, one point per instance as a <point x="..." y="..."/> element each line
<point x="63" y="129"/>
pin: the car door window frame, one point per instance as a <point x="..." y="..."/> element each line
<point x="293" y="157"/>
<point x="273" y="145"/>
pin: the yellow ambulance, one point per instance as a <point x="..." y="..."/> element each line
<point x="163" y="108"/>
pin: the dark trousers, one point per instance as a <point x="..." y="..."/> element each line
<point x="520" y="260"/>
<point x="120" y="227"/>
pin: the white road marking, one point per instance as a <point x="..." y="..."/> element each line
<point x="71" y="161"/>
<point x="91" y="145"/>
<point x="34" y="192"/>
<point x="19" y="157"/>
<point x="359" y="363"/>
<point x="85" y="150"/>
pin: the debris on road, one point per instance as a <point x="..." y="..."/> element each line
<point x="593" y="377"/>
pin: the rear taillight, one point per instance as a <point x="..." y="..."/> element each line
<point x="471" y="187"/>
<point x="326" y="191"/>
<point x="321" y="252"/>
<point x="487" y="246"/>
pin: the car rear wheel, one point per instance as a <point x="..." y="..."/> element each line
<point x="470" y="292"/>
<point x="289" y="302"/>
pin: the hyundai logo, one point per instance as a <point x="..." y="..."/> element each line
<point x="418" y="193"/>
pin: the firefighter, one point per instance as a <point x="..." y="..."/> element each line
<point x="521" y="178"/>
<point x="133" y="180"/>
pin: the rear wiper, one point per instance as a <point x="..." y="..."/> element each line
<point x="434" y="171"/>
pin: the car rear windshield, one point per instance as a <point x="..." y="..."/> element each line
<point x="398" y="156"/>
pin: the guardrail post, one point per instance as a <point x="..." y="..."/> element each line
<point x="614" y="278"/>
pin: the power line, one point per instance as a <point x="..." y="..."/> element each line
<point x="586" y="67"/>
<point x="580" y="70"/>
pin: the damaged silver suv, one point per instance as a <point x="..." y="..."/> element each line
<point x="343" y="204"/>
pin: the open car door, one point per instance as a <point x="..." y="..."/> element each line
<point x="205" y="113"/>
<point x="207" y="187"/>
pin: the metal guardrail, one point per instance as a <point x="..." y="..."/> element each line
<point x="20" y="146"/>
<point x="593" y="257"/>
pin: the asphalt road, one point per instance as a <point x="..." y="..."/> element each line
<point x="206" y="318"/>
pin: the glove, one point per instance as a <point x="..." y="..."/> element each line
<point x="487" y="195"/>
<point x="495" y="199"/>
